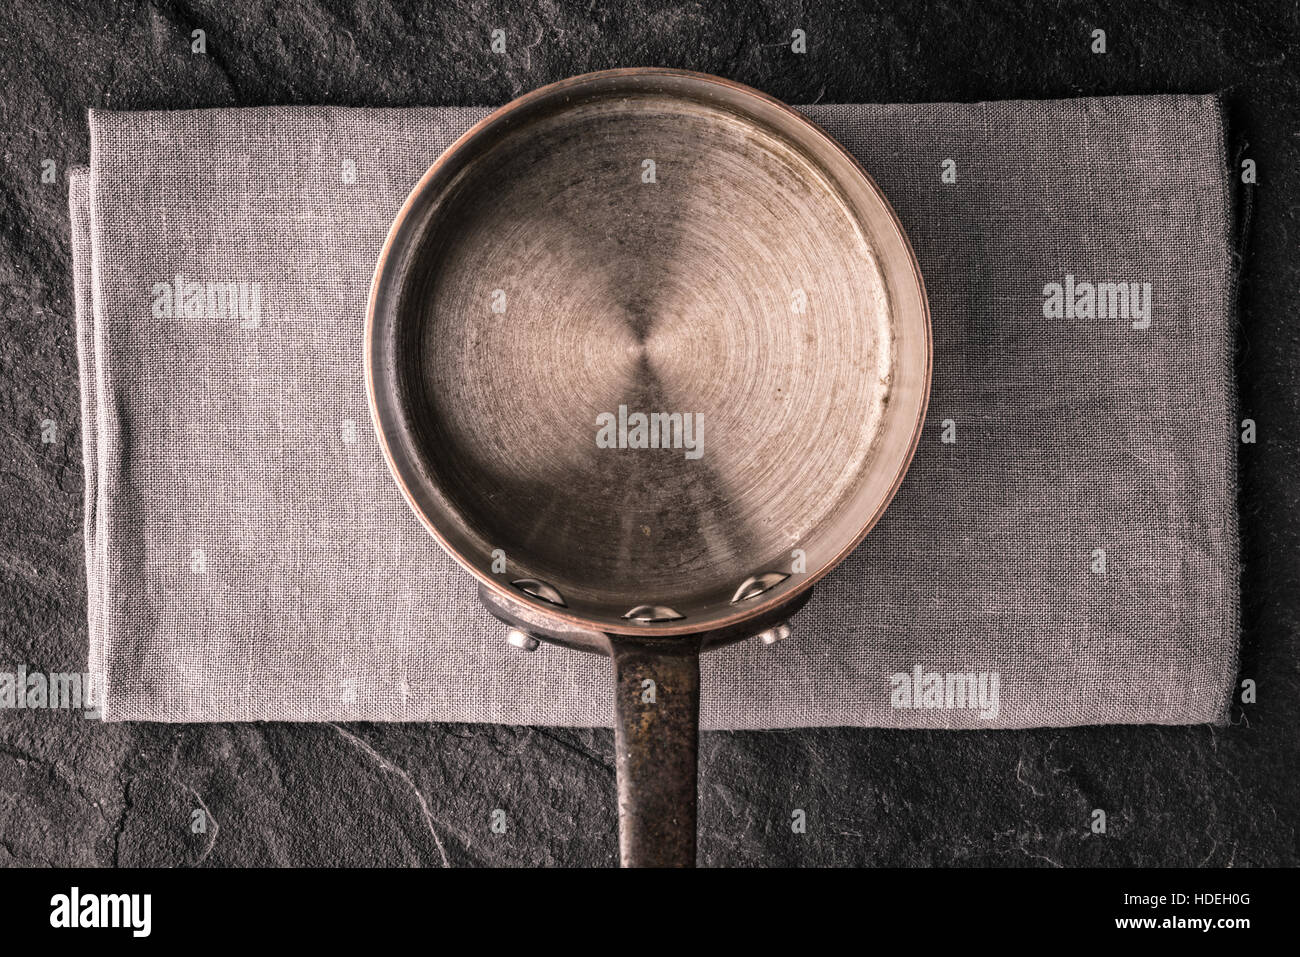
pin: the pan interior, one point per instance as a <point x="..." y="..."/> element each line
<point x="638" y="255"/>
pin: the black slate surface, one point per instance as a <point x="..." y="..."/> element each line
<point x="74" y="791"/>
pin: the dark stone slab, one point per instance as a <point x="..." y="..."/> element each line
<point x="74" y="791"/>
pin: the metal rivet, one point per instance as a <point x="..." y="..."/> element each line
<point x="540" y="589"/>
<point x="651" y="613"/>
<point x="755" y="585"/>
<point x="773" y="635"/>
<point x="522" y="640"/>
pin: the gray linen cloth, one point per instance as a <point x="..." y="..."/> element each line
<point x="249" y="557"/>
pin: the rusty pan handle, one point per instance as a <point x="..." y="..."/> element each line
<point x="656" y="715"/>
<point x="656" y="742"/>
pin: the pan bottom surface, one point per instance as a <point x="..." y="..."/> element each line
<point x="651" y="351"/>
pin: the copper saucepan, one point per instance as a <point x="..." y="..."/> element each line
<point x="649" y="354"/>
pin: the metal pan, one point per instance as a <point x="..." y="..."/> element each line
<point x="680" y="247"/>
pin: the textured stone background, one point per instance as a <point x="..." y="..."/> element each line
<point x="76" y="792"/>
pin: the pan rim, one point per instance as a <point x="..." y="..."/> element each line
<point x="776" y="597"/>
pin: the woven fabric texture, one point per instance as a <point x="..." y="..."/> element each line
<point x="1067" y="533"/>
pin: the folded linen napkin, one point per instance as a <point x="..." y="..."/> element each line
<point x="1063" y="550"/>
